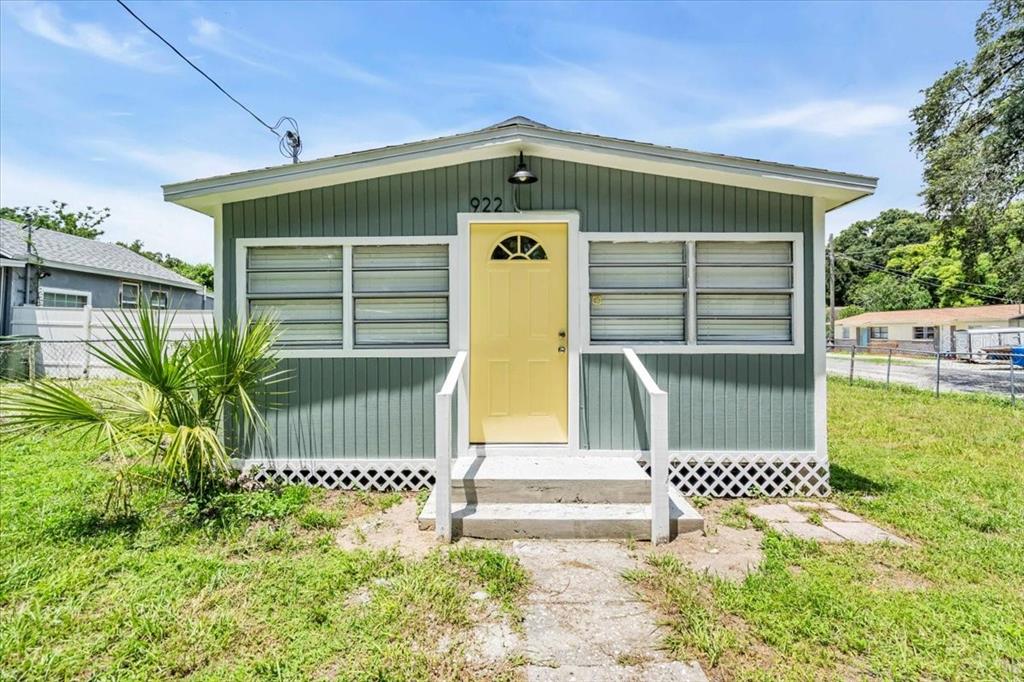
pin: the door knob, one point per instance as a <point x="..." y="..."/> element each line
<point x="561" y="349"/>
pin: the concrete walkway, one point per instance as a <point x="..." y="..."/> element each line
<point x="582" y="621"/>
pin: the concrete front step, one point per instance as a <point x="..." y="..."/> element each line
<point x="547" y="479"/>
<point x="503" y="521"/>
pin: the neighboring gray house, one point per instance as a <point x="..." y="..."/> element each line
<point x="64" y="271"/>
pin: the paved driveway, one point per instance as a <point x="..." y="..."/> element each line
<point x="955" y="376"/>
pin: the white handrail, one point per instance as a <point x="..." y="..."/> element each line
<point x="443" y="447"/>
<point x="657" y="426"/>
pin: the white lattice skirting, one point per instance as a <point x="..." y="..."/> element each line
<point x="740" y="475"/>
<point x="749" y="475"/>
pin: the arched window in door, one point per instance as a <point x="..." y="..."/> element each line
<point x="518" y="247"/>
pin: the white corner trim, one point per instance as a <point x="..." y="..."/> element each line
<point x="796" y="347"/>
<point x="818" y="293"/>
<point x="218" y="266"/>
<point x="68" y="292"/>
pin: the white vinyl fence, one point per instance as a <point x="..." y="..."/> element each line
<point x="63" y="335"/>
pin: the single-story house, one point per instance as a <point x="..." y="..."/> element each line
<point x="543" y="256"/>
<point x="930" y="329"/>
<point x="51" y="269"/>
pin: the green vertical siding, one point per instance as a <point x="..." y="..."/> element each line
<point x="369" y="407"/>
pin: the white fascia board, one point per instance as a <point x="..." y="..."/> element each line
<point x="129" y="276"/>
<point x="836" y="188"/>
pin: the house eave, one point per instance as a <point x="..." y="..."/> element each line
<point x="128" y="276"/>
<point x="834" y="187"/>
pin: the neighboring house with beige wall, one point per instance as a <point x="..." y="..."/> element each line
<point x="927" y="329"/>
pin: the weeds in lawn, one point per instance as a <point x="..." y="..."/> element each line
<point x="948" y="473"/>
<point x="504" y="579"/>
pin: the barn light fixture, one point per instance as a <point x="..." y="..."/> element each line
<point x="523" y="175"/>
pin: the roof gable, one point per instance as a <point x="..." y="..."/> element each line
<point x="61" y="250"/>
<point x="507" y="139"/>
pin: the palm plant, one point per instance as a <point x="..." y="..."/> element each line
<point x="175" y="406"/>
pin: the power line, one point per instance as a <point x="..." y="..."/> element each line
<point x="291" y="143"/>
<point x="924" y="280"/>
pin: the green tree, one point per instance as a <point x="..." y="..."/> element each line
<point x="1006" y="244"/>
<point x="883" y="291"/>
<point x="56" y="217"/>
<point x="866" y="245"/>
<point x="970" y="134"/>
<point x="197" y="272"/>
<point x="942" y="270"/>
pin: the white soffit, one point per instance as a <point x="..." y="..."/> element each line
<point x="834" y="188"/>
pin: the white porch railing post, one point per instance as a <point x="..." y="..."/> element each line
<point x="657" y="425"/>
<point x="443" y="447"/>
<point x="443" y="465"/>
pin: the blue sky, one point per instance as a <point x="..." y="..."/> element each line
<point x="95" y="111"/>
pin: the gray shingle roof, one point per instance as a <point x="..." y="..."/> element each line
<point x="57" y="249"/>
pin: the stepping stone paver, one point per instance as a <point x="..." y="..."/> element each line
<point x="863" y="532"/>
<point x="777" y="512"/>
<point x="806" y="531"/>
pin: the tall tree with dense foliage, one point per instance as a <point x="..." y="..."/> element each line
<point x="970" y="134"/>
<point x="883" y="291"/>
<point x="56" y="217"/>
<point x="197" y="272"/>
<point x="866" y="245"/>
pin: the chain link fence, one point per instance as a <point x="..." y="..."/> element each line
<point x="28" y="359"/>
<point x="999" y="373"/>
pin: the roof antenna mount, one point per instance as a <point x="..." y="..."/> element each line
<point x="290" y="143"/>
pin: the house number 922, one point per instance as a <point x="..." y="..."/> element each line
<point x="485" y="204"/>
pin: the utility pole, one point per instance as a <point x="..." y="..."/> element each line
<point x="832" y="290"/>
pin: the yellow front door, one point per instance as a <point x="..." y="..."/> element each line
<point x="519" y="367"/>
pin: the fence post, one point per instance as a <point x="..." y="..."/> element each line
<point x="938" y="371"/>
<point x="853" y="354"/>
<point x="1013" y="389"/>
<point x="33" y="347"/>
<point x="888" y="369"/>
<point x="87" y="324"/>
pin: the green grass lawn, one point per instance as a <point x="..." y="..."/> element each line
<point x="947" y="473"/>
<point x="257" y="591"/>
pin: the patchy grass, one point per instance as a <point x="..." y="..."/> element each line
<point x="947" y="473"/>
<point x="252" y="588"/>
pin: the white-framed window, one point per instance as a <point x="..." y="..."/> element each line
<point x="353" y="296"/>
<point x="637" y="292"/>
<point x="878" y="333"/>
<point x="50" y="297"/>
<point x="846" y="332"/>
<point x="158" y="300"/>
<point x="129" y="296"/>
<point x="400" y="296"/>
<point x="924" y="333"/>
<point x="744" y="292"/>
<point x="687" y="292"/>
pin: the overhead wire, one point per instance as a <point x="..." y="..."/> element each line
<point x="925" y="280"/>
<point x="289" y="143"/>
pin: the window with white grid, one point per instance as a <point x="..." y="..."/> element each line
<point x="400" y="296"/>
<point x="302" y="287"/>
<point x="637" y="292"/>
<point x="744" y="292"/>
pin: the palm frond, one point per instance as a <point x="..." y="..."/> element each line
<point x="194" y="458"/>
<point x="143" y="350"/>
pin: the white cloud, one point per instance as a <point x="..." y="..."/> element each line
<point x="136" y="212"/>
<point x="46" y="21"/>
<point x="213" y="37"/>
<point x="239" y="47"/>
<point x="835" y="118"/>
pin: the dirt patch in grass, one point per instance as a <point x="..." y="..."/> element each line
<point x="395" y="528"/>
